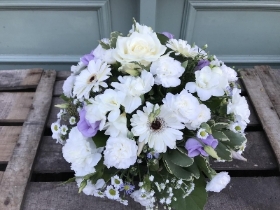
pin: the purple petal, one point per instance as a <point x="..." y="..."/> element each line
<point x="169" y="35"/>
<point x="210" y="141"/>
<point x="201" y="64"/>
<point x="85" y="127"/>
<point x="194" y="147"/>
<point x="87" y="58"/>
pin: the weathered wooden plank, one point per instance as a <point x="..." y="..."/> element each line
<point x="15" y="106"/>
<point x="246" y="193"/>
<point x="19" y="79"/>
<point x="62" y="75"/>
<point x="258" y="153"/>
<point x="1" y="174"/>
<point x="9" y="137"/>
<point x="49" y="158"/>
<point x="18" y="170"/>
<point x="264" y="108"/>
<point x="54" y="110"/>
<point x="58" y="88"/>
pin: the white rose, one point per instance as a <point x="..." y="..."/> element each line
<point x="142" y="48"/>
<point x="120" y="152"/>
<point x="218" y="182"/>
<point x="167" y="71"/>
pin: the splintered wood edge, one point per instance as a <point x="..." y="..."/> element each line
<point x="264" y="108"/>
<point x="17" y="173"/>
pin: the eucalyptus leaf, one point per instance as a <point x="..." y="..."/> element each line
<point x="114" y="37"/>
<point x="219" y="135"/>
<point x="104" y="45"/>
<point x="180" y="159"/>
<point x="179" y="172"/>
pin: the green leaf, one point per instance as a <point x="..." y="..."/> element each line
<point x="219" y="135"/>
<point x="97" y="175"/>
<point x="64" y="97"/>
<point x="180" y="159"/>
<point x="179" y="172"/>
<point x="206" y="127"/>
<point x="223" y="152"/>
<point x="147" y="183"/>
<point x="82" y="185"/>
<point x="162" y="38"/>
<point x="69" y="180"/>
<point x="185" y="64"/>
<point x="219" y="126"/>
<point x="198" y="197"/>
<point x="203" y="164"/>
<point x="100" y="139"/>
<point x="104" y="45"/>
<point x="180" y="203"/>
<point x="194" y="170"/>
<point x="114" y="37"/>
<point x="236" y="139"/>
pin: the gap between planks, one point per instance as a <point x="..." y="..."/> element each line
<point x="17" y="173"/>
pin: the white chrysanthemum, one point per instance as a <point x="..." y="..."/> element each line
<point x="120" y="152"/>
<point x="116" y="181"/>
<point x="117" y="127"/>
<point x="167" y="71"/>
<point x="55" y="127"/>
<point x="237" y="127"/>
<point x="72" y="120"/>
<point x="144" y="198"/>
<point x="134" y="87"/>
<point x="77" y="69"/>
<point x="81" y="152"/>
<point x="239" y="107"/>
<point x="91" y="79"/>
<point x="182" y="47"/>
<point x="68" y="86"/>
<point x="184" y="106"/>
<point x="207" y="83"/>
<point x="204" y="114"/>
<point x="138" y="47"/>
<point x="142" y="29"/>
<point x="201" y="133"/>
<point x="160" y="133"/>
<point x="219" y="182"/>
<point x="105" y="55"/>
<point x="90" y="188"/>
<point x="63" y="129"/>
<point x="112" y="193"/>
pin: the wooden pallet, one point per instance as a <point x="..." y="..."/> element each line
<point x="25" y="98"/>
<point x="252" y="183"/>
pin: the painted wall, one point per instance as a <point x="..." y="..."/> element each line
<point x="55" y="34"/>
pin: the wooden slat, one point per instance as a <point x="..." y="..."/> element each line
<point x="254" y="120"/>
<point x="264" y="108"/>
<point x="58" y="88"/>
<point x="1" y="175"/>
<point x="9" y="137"/>
<point x="18" y="170"/>
<point x="49" y="158"/>
<point x="62" y="75"/>
<point x="19" y="79"/>
<point x="54" y="110"/>
<point x="258" y="153"/>
<point x="15" y="106"/>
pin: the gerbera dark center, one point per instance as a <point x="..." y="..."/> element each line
<point x="92" y="78"/>
<point x="156" y="124"/>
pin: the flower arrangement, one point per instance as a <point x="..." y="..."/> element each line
<point x="142" y="115"/>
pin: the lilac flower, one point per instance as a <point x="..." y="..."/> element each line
<point x="127" y="187"/>
<point x="87" y="58"/>
<point x="201" y="64"/>
<point x="85" y="127"/>
<point x="210" y="141"/>
<point x="195" y="146"/>
<point x="169" y="35"/>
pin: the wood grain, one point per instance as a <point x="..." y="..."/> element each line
<point x="9" y="137"/>
<point x="62" y="75"/>
<point x="18" y="170"/>
<point x="264" y="107"/>
<point x="19" y="79"/>
<point x="15" y="106"/>
<point x="1" y="174"/>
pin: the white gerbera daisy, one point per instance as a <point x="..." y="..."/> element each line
<point x="160" y="132"/>
<point x="91" y="79"/>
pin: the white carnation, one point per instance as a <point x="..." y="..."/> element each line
<point x="138" y="47"/>
<point x="117" y="127"/>
<point x="167" y="71"/>
<point x="230" y="73"/>
<point x="120" y="152"/>
<point x="134" y="87"/>
<point x="204" y="114"/>
<point x="218" y="182"/>
<point x="68" y="86"/>
<point x="81" y="152"/>
<point x="207" y="83"/>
